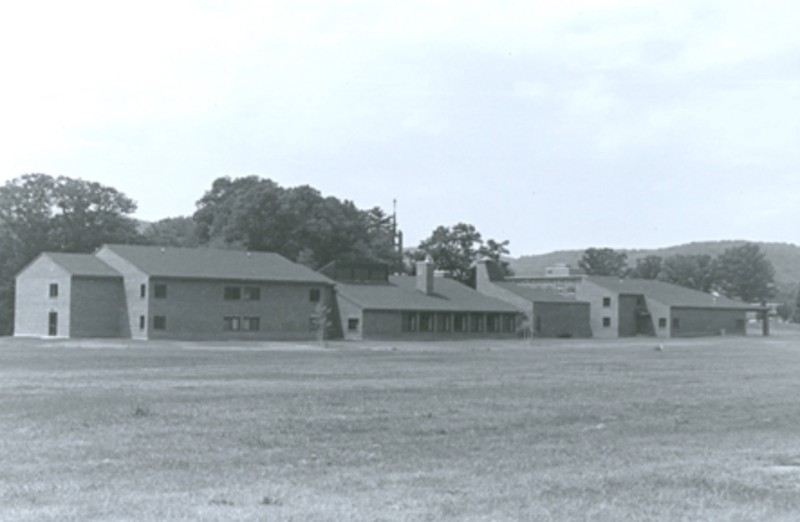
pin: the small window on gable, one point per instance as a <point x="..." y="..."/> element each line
<point x="53" y="289"/>
<point x="352" y="324"/>
<point x="160" y="291"/>
<point x="606" y="322"/>
<point x="662" y="322"/>
<point x="232" y="293"/>
<point x="606" y="302"/>
<point x="142" y="291"/>
<point x="142" y="323"/>
<point x="314" y="295"/>
<point x="251" y="293"/>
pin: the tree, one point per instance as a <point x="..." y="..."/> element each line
<point x="321" y="322"/>
<point x="174" y="232"/>
<point x="647" y="268"/>
<point x="41" y="213"/>
<point x="698" y="272"/>
<point x="455" y="250"/>
<point x="604" y="262"/>
<point x="745" y="273"/>
<point x="796" y="315"/>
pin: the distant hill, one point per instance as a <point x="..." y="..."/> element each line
<point x="785" y="257"/>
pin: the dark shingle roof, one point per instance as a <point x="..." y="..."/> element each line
<point x="668" y="294"/>
<point x="535" y="294"/>
<point x="401" y="294"/>
<point x="85" y="265"/>
<point x="209" y="263"/>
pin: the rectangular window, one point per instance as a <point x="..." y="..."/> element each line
<point x="409" y="322"/>
<point x="314" y="295"/>
<point x="252" y="293"/>
<point x="606" y="302"/>
<point x="606" y="322"/>
<point x="232" y="293"/>
<point x="509" y="323"/>
<point x="476" y="323"/>
<point x="676" y="323"/>
<point x="662" y="322"/>
<point x="251" y="324"/>
<point x="160" y="291"/>
<point x="232" y="324"/>
<point x="425" y="322"/>
<point x="142" y="323"/>
<point x="443" y="323"/>
<point x="460" y="323"/>
<point x="352" y="324"/>
<point x="493" y="323"/>
<point x="160" y="322"/>
<point x="53" y="289"/>
<point x="142" y="291"/>
<point x="52" y="323"/>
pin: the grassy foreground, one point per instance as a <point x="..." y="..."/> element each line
<point x="706" y="429"/>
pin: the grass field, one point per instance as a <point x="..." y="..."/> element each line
<point x="707" y="429"/>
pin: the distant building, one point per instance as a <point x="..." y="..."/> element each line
<point x="372" y="304"/>
<point x="143" y="292"/>
<point x="625" y="307"/>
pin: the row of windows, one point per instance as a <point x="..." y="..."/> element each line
<point x="230" y="323"/>
<point x="229" y="293"/>
<point x="460" y="322"/>
<point x="662" y="322"/>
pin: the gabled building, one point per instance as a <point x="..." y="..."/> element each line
<point x="144" y="292"/>
<point x="372" y="304"/>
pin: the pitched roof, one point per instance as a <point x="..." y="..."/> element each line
<point x="669" y="294"/>
<point x="401" y="294"/>
<point x="535" y="294"/>
<point x="85" y="265"/>
<point x="210" y="263"/>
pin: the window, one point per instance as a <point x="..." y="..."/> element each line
<point x="232" y="293"/>
<point x="409" y="322"/>
<point x="252" y="293"/>
<point x="606" y="302"/>
<point x="142" y="322"/>
<point x="232" y="324"/>
<point x="443" y="323"/>
<point x="53" y="289"/>
<point x="493" y="323"/>
<point x="160" y="291"/>
<point x="159" y="322"/>
<point x="476" y="323"/>
<point x="509" y="323"/>
<point x="662" y="322"/>
<point x="676" y="323"/>
<point x="251" y="324"/>
<point x="143" y="291"/>
<point x="460" y="323"/>
<point x="352" y="324"/>
<point x="606" y="322"/>
<point x="314" y="295"/>
<point x="426" y="322"/>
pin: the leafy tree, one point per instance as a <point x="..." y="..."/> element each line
<point x="604" y="262"/>
<point x="321" y="322"/>
<point x="796" y="315"/>
<point x="745" y="273"/>
<point x="698" y="272"/>
<point x="784" y="311"/>
<point x="298" y="223"/>
<point x="41" y="213"/>
<point x="647" y="268"/>
<point x="174" y="232"/>
<point x="455" y="250"/>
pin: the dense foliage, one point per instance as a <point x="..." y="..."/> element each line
<point x="604" y="262"/>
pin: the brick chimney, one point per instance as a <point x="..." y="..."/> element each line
<point x="425" y="276"/>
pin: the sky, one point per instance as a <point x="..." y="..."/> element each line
<point x="554" y="125"/>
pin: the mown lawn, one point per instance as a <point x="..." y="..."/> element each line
<point x="706" y="429"/>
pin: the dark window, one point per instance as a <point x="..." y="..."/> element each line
<point x="52" y="323"/>
<point x="493" y="323"/>
<point x="426" y="322"/>
<point x="606" y="321"/>
<point x="252" y="293"/>
<point x="662" y="322"/>
<point x="53" y="289"/>
<point x="160" y="291"/>
<point x="443" y="322"/>
<point x="233" y="293"/>
<point x="142" y="291"/>
<point x="460" y="323"/>
<point x="141" y="322"/>
<point x="676" y="323"/>
<point x="409" y="322"/>
<point x="313" y="295"/>
<point x="232" y="323"/>
<point x="606" y="302"/>
<point x="509" y="323"/>
<point x="352" y="325"/>
<point x="159" y="321"/>
<point x="251" y="324"/>
<point x="476" y="323"/>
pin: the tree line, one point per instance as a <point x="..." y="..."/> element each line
<point x="41" y="213"/>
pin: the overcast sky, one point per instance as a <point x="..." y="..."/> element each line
<point x="554" y="125"/>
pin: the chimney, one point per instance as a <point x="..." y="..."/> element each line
<point x="425" y="276"/>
